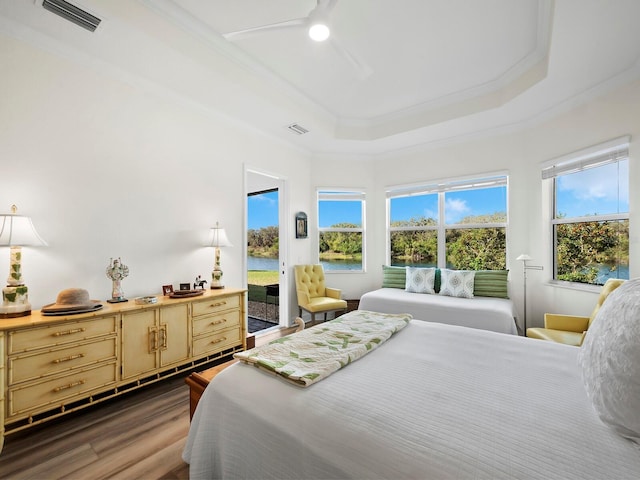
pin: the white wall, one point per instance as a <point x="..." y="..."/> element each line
<point x="107" y="169"/>
<point x="520" y="154"/>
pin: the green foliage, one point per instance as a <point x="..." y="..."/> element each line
<point x="477" y="248"/>
<point x="582" y="247"/>
<point x="263" y="242"/>
<point x="415" y="246"/>
<point x="468" y="248"/>
<point x="341" y="244"/>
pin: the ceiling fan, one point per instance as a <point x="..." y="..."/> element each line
<point x="317" y="25"/>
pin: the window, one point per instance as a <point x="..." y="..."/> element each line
<point x="341" y="230"/>
<point x="459" y="225"/>
<point x="590" y="218"/>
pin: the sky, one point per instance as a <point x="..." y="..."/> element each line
<point x="457" y="204"/>
<point x="594" y="191"/>
<point x="263" y="210"/>
<point x="588" y="192"/>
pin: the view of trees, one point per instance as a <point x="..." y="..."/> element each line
<point x="583" y="247"/>
<point x="341" y="245"/>
<point x="466" y="248"/>
<point x="263" y="242"/>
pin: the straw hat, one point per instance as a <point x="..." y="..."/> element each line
<point x="71" y="299"/>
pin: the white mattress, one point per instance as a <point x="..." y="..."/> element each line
<point x="435" y="401"/>
<point x="487" y="313"/>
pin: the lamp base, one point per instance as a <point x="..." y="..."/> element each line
<point x="15" y="314"/>
<point x="216" y="287"/>
<point x="117" y="300"/>
<point x="15" y="301"/>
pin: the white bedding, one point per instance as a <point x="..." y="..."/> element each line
<point x="487" y="313"/>
<point x="435" y="401"/>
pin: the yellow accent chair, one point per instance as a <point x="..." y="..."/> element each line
<point x="571" y="329"/>
<point x="313" y="296"/>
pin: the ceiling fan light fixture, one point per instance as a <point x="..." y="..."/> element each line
<point x="319" y="32"/>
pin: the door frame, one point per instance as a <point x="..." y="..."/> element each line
<point x="280" y="182"/>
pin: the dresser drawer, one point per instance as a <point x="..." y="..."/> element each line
<point x="59" y="334"/>
<point x="216" y="342"/>
<point x="215" y="305"/>
<point x="36" y="365"/>
<point x="216" y="323"/>
<point x="53" y="392"/>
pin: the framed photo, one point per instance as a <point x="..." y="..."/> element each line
<point x="167" y="289"/>
<point x="185" y="286"/>
<point x="301" y="225"/>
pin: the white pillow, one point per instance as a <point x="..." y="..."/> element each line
<point x="420" y="280"/>
<point x="457" y="283"/>
<point x="610" y="360"/>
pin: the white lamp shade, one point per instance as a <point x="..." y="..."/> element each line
<point x="218" y="238"/>
<point x="524" y="258"/>
<point x="18" y="231"/>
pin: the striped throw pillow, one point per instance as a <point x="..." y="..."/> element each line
<point x="393" y="277"/>
<point x="491" y="283"/>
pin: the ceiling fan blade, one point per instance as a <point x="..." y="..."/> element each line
<point x="264" y="28"/>
<point x="325" y="5"/>
<point x="360" y="65"/>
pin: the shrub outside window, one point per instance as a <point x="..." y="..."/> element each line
<point x="341" y="230"/>
<point x="458" y="225"/>
<point x="590" y="220"/>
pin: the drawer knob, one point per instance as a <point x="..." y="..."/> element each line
<point x="218" y="340"/>
<point x="68" y="332"/>
<point x="218" y="322"/>
<point x="69" y="358"/>
<point x="70" y="385"/>
<point x="219" y="304"/>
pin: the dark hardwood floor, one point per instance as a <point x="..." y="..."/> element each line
<point x="139" y="435"/>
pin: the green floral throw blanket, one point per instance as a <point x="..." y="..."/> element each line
<point x="309" y="356"/>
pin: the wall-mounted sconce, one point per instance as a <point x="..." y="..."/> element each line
<point x="301" y="225"/>
<point x="16" y="231"/>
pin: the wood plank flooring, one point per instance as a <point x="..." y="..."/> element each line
<point x="139" y="435"/>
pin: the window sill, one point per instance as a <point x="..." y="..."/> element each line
<point x="582" y="287"/>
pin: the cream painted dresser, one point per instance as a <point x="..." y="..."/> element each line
<point x="53" y="365"/>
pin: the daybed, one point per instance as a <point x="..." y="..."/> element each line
<point x="437" y="401"/>
<point x="489" y="309"/>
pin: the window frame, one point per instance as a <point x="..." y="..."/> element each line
<point x="491" y="180"/>
<point x="338" y="194"/>
<point x="610" y="152"/>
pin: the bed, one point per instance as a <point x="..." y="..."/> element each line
<point x="488" y="313"/>
<point x="434" y="401"/>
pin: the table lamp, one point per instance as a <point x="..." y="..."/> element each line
<point x="218" y="239"/>
<point x="16" y="231"/>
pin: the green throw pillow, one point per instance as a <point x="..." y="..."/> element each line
<point x="491" y="283"/>
<point x="393" y="277"/>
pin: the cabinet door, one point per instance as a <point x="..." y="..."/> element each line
<point x="174" y="334"/>
<point x="140" y="341"/>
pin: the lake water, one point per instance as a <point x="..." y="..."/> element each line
<point x="261" y="263"/>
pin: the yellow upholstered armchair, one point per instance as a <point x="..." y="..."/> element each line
<point x="571" y="329"/>
<point x="313" y="296"/>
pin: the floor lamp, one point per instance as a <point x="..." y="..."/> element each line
<point x="524" y="258"/>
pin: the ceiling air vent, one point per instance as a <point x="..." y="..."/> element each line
<point x="298" y="129"/>
<point x="72" y="13"/>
